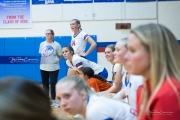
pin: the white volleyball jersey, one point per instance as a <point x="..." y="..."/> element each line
<point x="49" y="55"/>
<point x="78" y="42"/>
<point x="124" y="83"/>
<point x="130" y="90"/>
<point x="78" y="62"/>
<point x="134" y="82"/>
<point x="102" y="108"/>
<point x="123" y="70"/>
<point x="114" y="69"/>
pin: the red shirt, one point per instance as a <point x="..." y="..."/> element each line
<point x="165" y="104"/>
<point x="98" y="85"/>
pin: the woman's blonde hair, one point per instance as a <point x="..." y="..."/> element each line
<point x="164" y="52"/>
<point x="77" y="22"/>
<point x="111" y="46"/>
<point x="125" y="40"/>
<point x="80" y="84"/>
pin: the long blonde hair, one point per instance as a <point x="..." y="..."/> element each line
<point x="80" y="84"/>
<point x="164" y="53"/>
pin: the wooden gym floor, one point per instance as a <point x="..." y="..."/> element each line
<point x="61" y="115"/>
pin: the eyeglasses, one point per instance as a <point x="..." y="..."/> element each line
<point x="48" y="33"/>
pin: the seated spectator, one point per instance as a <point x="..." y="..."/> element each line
<point x="21" y="99"/>
<point x="78" y="98"/>
<point x="96" y="82"/>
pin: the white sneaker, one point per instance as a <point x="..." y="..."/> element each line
<point x="54" y="104"/>
<point x="77" y="116"/>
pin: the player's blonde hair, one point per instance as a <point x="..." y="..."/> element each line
<point x="77" y="22"/>
<point x="111" y="46"/>
<point x="164" y="54"/>
<point x="79" y="83"/>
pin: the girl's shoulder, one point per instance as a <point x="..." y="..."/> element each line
<point x="77" y="58"/>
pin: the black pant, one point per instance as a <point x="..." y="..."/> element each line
<point x="53" y="75"/>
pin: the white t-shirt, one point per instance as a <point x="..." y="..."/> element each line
<point x="102" y="108"/>
<point x="49" y="55"/>
<point x="78" y="62"/>
<point x="78" y="42"/>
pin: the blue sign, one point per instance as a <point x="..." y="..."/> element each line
<point x="34" y="2"/>
<point x="20" y="60"/>
<point x="46" y="1"/>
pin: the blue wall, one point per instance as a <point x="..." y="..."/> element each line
<point x="29" y="47"/>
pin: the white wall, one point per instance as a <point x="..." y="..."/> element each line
<point x="96" y="18"/>
<point x="99" y="19"/>
<point x="168" y="15"/>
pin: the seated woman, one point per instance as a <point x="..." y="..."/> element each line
<point x="78" y="98"/>
<point x="21" y="99"/>
<point x="96" y="82"/>
<point x="110" y="57"/>
<point x="119" y="52"/>
<point x="153" y="52"/>
<point x="76" y="62"/>
<point x="130" y="83"/>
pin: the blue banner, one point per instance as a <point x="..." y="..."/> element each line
<point x="46" y="2"/>
<point x="26" y="60"/>
<point x="20" y="59"/>
<point x="140" y="0"/>
<point x="15" y="14"/>
<point x="77" y="1"/>
<point x="36" y="2"/>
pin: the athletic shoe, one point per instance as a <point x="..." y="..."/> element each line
<point x="54" y="104"/>
<point x="79" y="117"/>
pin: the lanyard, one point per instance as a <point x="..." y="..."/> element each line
<point x="126" y="82"/>
<point x="71" y="63"/>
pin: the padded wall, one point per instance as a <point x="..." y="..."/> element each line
<point x="17" y="47"/>
<point x="29" y="47"/>
<point x="2" y="66"/>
